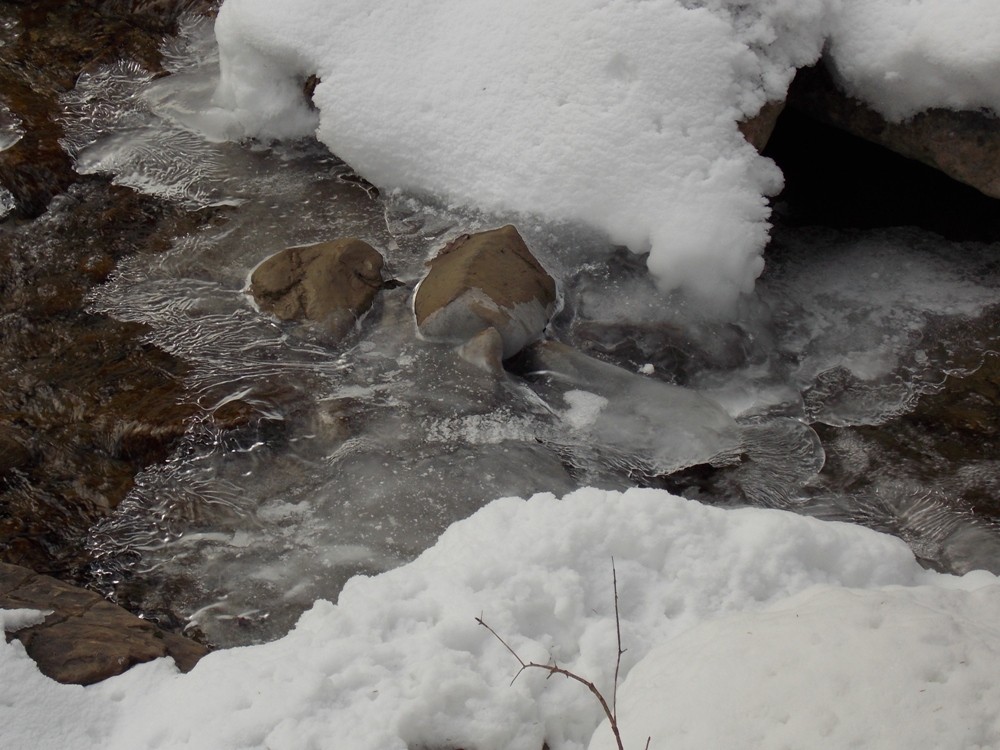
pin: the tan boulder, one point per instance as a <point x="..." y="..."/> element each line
<point x="85" y="639"/>
<point x="481" y="281"/>
<point x="331" y="284"/>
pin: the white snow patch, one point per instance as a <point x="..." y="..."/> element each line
<point x="904" y="56"/>
<point x="400" y="662"/>
<point x="618" y="114"/>
<point x="12" y="620"/>
<point x="584" y="408"/>
<point x="883" y="668"/>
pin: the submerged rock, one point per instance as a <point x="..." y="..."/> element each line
<point x="85" y="639"/>
<point x="662" y="426"/>
<point x="331" y="284"/>
<point x="481" y="281"/>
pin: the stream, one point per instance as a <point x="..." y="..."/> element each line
<point x="352" y="460"/>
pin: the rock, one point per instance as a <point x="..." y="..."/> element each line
<point x="757" y="130"/>
<point x="481" y="281"/>
<point x="485" y="351"/>
<point x="662" y="427"/>
<point x="13" y="452"/>
<point x="331" y="284"/>
<point x="86" y="639"/>
<point x="963" y="145"/>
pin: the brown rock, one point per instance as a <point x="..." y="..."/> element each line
<point x="481" y="281"/>
<point x="331" y="284"/>
<point x="757" y="130"/>
<point x="485" y="351"/>
<point x="963" y="145"/>
<point x="86" y="639"/>
<point x="13" y="453"/>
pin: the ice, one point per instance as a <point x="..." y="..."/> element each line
<point x="663" y="426"/>
<point x="353" y="460"/>
<point x="11" y="128"/>
<point x="860" y="318"/>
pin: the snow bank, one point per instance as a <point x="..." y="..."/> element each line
<point x="619" y="114"/>
<point x="616" y="113"/>
<point x="876" y="669"/>
<point x="902" y="56"/>
<point x="399" y="662"/>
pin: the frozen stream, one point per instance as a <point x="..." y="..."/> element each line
<point x="352" y="460"/>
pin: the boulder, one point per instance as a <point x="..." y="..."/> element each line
<point x="485" y="351"/>
<point x="757" y="129"/>
<point x="85" y="639"/>
<point x="481" y="281"/>
<point x="330" y="284"/>
<point x="963" y="145"/>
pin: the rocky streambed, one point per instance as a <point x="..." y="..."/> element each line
<point x="215" y="462"/>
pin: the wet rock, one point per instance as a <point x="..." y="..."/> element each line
<point x="85" y="395"/>
<point x="481" y="281"/>
<point x="757" y="129"/>
<point x="331" y="284"/>
<point x="85" y="639"/>
<point x="485" y="351"/>
<point x="963" y="145"/>
<point x="13" y="451"/>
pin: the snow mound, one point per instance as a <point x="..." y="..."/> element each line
<point x="903" y="57"/>
<point x="618" y="114"/>
<point x="399" y="661"/>
<point x="887" y="668"/>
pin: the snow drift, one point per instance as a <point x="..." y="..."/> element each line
<point x="619" y="114"/>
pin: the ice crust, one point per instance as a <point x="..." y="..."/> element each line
<point x="400" y="662"/>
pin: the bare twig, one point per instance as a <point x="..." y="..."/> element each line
<point x="553" y="668"/>
<point x="618" y="634"/>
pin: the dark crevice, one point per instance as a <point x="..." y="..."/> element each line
<point x="835" y="179"/>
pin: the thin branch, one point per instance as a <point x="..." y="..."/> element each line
<point x="556" y="669"/>
<point x="618" y="634"/>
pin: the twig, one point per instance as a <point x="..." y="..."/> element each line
<point x="618" y="634"/>
<point x="553" y="668"/>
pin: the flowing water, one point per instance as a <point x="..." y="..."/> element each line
<point x="352" y="459"/>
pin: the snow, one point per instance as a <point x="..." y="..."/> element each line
<point x="903" y="56"/>
<point x="618" y="114"/>
<point x="399" y="661"/>
<point x="727" y="683"/>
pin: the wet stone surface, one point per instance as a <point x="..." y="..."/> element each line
<point x="85" y="639"/>
<point x="84" y="402"/>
